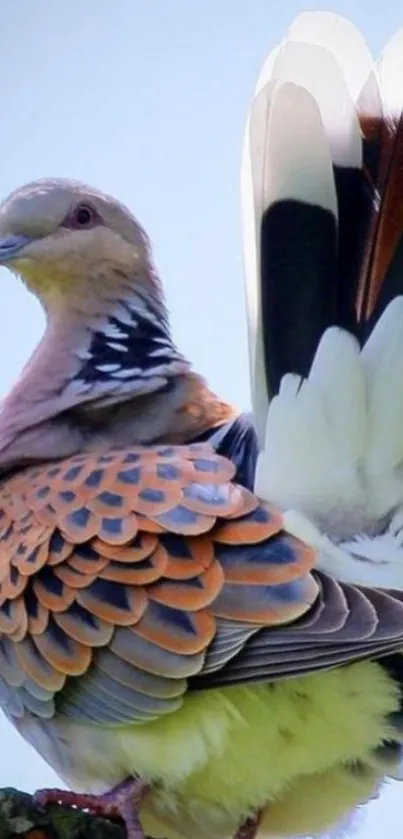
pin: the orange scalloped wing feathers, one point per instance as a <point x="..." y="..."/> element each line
<point x="122" y="567"/>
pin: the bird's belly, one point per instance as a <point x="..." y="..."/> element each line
<point x="229" y="751"/>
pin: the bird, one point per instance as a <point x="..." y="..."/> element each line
<point x="201" y="610"/>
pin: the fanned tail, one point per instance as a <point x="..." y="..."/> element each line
<point x="322" y="193"/>
<point x="306" y="199"/>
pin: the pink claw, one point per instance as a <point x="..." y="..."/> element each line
<point x="122" y="801"/>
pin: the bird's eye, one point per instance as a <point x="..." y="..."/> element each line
<point x="84" y="216"/>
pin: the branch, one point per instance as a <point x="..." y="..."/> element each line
<point x="21" y="818"/>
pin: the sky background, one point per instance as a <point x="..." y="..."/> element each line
<point x="147" y="99"/>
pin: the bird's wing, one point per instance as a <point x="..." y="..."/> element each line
<point x="128" y="574"/>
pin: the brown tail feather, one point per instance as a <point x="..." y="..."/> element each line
<point x="383" y="162"/>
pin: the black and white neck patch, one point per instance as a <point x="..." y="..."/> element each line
<point x="132" y="346"/>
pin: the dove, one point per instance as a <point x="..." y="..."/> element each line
<point x="201" y="610"/>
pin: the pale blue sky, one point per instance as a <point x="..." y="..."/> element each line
<point x="147" y="100"/>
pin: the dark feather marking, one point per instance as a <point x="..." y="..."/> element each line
<point x="167" y="471"/>
<point x="67" y="496"/>
<point x="169" y="615"/>
<point x="48" y="579"/>
<point x="112" y="499"/>
<point x="82" y="615"/>
<point x="355" y="205"/>
<point x="277" y="551"/>
<point x="112" y="525"/>
<point x="108" y="592"/>
<point x="154" y="496"/>
<point x="73" y="473"/>
<point x="79" y="518"/>
<point x="58" y="636"/>
<point x="94" y="480"/>
<point x="57" y="542"/>
<point x="298" y="285"/>
<point x="144" y="346"/>
<point x="129" y="476"/>
<point x="85" y="551"/>
<point x="31" y="600"/>
<point x="176" y="545"/>
<point x="237" y="440"/>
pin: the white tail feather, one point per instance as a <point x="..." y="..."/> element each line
<point x="316" y="70"/>
<point x="297" y="170"/>
<point x="338" y="360"/>
<point x="389" y="71"/>
<point x="253" y="181"/>
<point x="335" y="442"/>
<point x="334" y="453"/>
<point x="335" y="34"/>
<point x="342" y="39"/>
<point x="382" y="358"/>
<point x="314" y="435"/>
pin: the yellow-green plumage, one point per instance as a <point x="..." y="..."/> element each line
<point x="291" y="748"/>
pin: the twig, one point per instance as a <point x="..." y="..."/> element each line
<point x="21" y="817"/>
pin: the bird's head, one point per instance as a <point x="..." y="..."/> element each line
<point x="71" y="243"/>
<point x="107" y="340"/>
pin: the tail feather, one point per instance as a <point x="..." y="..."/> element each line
<point x="280" y="176"/>
<point x="253" y="186"/>
<point x="381" y="120"/>
<point x="315" y="68"/>
<point x="383" y="364"/>
<point x="389" y="70"/>
<point x="316" y="438"/>
<point x="327" y="54"/>
<point x="338" y="361"/>
<point x="335" y="34"/>
<point x="303" y="247"/>
<point x="304" y="295"/>
<point x="323" y="163"/>
<point x="361" y="106"/>
<point x="342" y="39"/>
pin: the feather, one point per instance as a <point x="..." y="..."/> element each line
<point x="289" y="110"/>
<point x="343" y="41"/>
<point x="215" y="605"/>
<point x="380" y="110"/>
<point x="327" y="404"/>
<point x="310" y="59"/>
<point x="167" y="588"/>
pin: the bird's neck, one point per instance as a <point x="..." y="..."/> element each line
<point x="115" y="379"/>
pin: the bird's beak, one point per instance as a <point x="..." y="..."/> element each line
<point x="10" y="246"/>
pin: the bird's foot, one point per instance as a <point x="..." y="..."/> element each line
<point x="249" y="827"/>
<point x="122" y="801"/>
